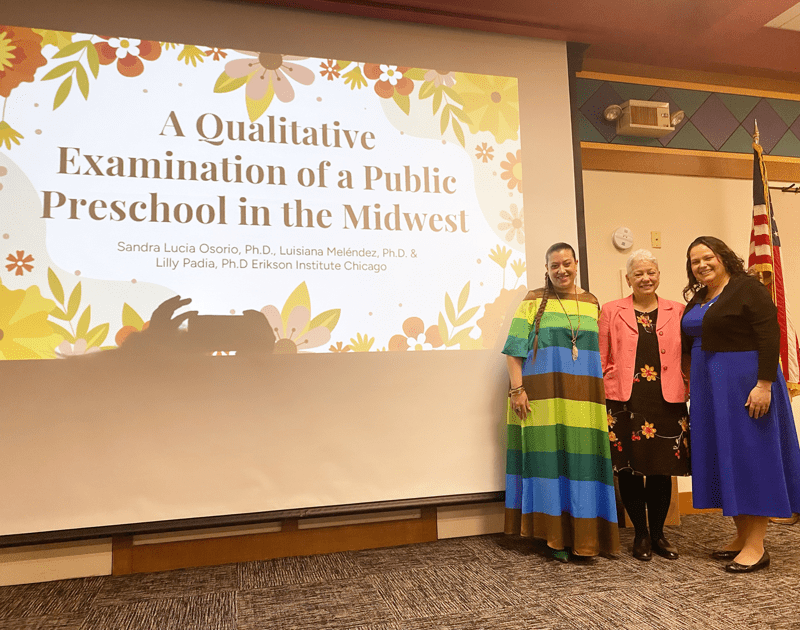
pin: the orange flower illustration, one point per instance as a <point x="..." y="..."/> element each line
<point x="610" y="420"/>
<point x="484" y="152"/>
<point x="390" y="79"/>
<point x="329" y="69"/>
<point x="268" y="70"/>
<point x="649" y="373"/>
<point x="684" y="422"/>
<point x="612" y="436"/>
<point x="128" y="53"/>
<point x="339" y="347"/>
<point x="20" y="56"/>
<point x="21" y="263"/>
<point x="648" y="430"/>
<point x="216" y="53"/>
<point x="512" y="170"/>
<point x="416" y="336"/>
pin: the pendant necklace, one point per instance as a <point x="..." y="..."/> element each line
<point x="573" y="331"/>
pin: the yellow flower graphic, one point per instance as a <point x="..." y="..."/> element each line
<point x="362" y="344"/>
<point x="612" y="436"/>
<point x="648" y="430"/>
<point x="25" y="332"/>
<point x="500" y="255"/>
<point x="610" y="420"/>
<point x="649" y="373"/>
<point x="684" y="422"/>
<point x="492" y="104"/>
<point x="519" y="267"/>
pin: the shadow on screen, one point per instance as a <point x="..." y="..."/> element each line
<point x="245" y="335"/>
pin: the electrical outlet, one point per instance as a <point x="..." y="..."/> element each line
<point x="655" y="239"/>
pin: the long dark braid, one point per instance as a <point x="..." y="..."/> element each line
<point x="548" y="287"/>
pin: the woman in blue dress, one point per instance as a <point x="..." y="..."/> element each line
<point x="745" y="452"/>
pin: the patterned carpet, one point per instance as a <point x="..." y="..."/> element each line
<point x="486" y="582"/>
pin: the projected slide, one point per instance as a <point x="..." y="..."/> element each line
<point x="355" y="205"/>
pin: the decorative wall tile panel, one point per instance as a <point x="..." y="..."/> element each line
<point x="715" y="121"/>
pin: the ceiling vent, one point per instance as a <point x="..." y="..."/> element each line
<point x="644" y="118"/>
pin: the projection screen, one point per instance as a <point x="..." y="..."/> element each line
<point x="257" y="259"/>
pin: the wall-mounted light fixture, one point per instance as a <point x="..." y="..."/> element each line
<point x="649" y="119"/>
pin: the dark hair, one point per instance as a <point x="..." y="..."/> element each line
<point x="557" y="247"/>
<point x="548" y="288"/>
<point x="732" y="263"/>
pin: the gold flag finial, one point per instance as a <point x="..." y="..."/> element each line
<point x="755" y="133"/>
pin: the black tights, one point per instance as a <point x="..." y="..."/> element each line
<point x="655" y="495"/>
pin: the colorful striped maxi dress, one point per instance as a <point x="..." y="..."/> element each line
<point x="559" y="477"/>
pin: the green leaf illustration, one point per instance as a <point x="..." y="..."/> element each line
<point x="74" y="301"/>
<point x="403" y="102"/>
<point x="443" y="332"/>
<point x="461" y="116"/>
<point x="60" y="71"/>
<point x="445" y="120"/>
<point x="463" y="297"/>
<point x="55" y="286"/>
<point x="62" y="331"/>
<point x="448" y="307"/>
<point x="426" y="90"/>
<point x="83" y="81"/>
<point x="453" y="95"/>
<point x="415" y="74"/>
<point x="466" y="316"/>
<point x="96" y="335"/>
<point x="437" y="100"/>
<point x="459" y="337"/>
<point x="299" y="297"/>
<point x="93" y="60"/>
<point x="329" y="319"/>
<point x="256" y="108"/>
<point x="83" y="323"/>
<point x="59" y="314"/>
<point x="71" y="49"/>
<point x="62" y="93"/>
<point x="228" y="84"/>
<point x="131" y="317"/>
<point x="458" y="131"/>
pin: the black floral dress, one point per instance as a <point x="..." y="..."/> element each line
<point x="649" y="435"/>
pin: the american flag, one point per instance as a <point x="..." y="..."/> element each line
<point x="765" y="258"/>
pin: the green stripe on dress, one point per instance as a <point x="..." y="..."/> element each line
<point x="571" y="413"/>
<point x="573" y="466"/>
<point x="554" y="438"/>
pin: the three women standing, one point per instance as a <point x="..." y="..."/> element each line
<point x="559" y="480"/>
<point x="648" y="423"/>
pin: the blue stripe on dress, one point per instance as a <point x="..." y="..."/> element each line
<point x="581" y="499"/>
<point x="558" y="359"/>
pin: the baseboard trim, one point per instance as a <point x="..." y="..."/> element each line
<point x="128" y="558"/>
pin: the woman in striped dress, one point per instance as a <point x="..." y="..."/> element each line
<point x="559" y="477"/>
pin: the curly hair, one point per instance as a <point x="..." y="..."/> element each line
<point x="732" y="263"/>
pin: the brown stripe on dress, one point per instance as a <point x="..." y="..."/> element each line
<point x="569" y="386"/>
<point x="585" y="536"/>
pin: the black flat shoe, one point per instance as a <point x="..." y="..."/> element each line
<point x="664" y="549"/>
<point x="641" y="548"/>
<point x="724" y="554"/>
<point x="735" y="567"/>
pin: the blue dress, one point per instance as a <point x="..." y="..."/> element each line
<point x="740" y="464"/>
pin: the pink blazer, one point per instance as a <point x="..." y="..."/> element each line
<point x="619" y="336"/>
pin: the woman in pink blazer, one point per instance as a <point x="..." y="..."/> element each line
<point x="648" y="423"/>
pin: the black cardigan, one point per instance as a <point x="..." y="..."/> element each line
<point x="743" y="318"/>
